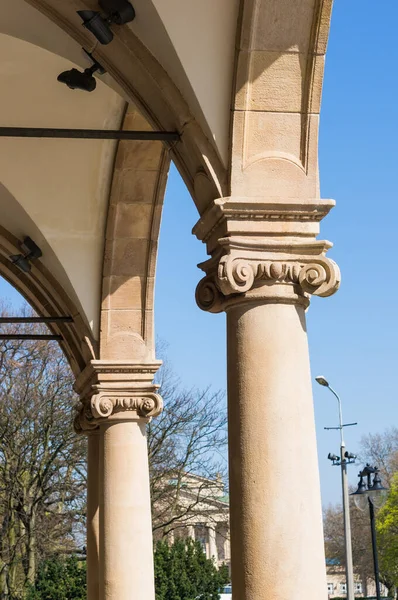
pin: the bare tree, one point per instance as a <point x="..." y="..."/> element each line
<point x="189" y="438"/>
<point x="43" y="462"/>
<point x="42" y="484"/>
<point x="381" y="450"/>
<point x="361" y="540"/>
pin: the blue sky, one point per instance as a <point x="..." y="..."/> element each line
<point x="352" y="335"/>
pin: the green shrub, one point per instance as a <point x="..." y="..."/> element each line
<point x="182" y="572"/>
<point x="60" y="579"/>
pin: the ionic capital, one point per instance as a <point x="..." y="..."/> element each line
<point x="115" y="391"/>
<point x="268" y="251"/>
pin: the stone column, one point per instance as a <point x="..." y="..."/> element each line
<point x="227" y="546"/>
<point x="85" y="424"/>
<point x="123" y="399"/>
<point x="191" y="532"/>
<point x="265" y="263"/>
<point x="212" y="543"/>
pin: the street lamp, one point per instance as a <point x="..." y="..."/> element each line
<point x="345" y="458"/>
<point x="371" y="493"/>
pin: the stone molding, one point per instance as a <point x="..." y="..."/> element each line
<point x="116" y="391"/>
<point x="267" y="251"/>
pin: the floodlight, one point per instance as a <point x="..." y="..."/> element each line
<point x="81" y="80"/>
<point x="97" y="25"/>
<point x="117" y="11"/>
<point x="350" y="455"/>
<point x="31" y="252"/>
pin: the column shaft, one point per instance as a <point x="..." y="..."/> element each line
<point x="93" y="516"/>
<point x="213" y="544"/>
<point x="276" y="521"/>
<point x="126" y="550"/>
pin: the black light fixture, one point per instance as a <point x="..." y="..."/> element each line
<point x="30" y="250"/>
<point x="82" y="80"/>
<point x="350" y="456"/>
<point x="116" y="11"/>
<point x="371" y="493"/>
<point x="333" y="457"/>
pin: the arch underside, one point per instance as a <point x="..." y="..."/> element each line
<point x="241" y="83"/>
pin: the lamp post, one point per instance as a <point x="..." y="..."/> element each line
<point x="371" y="494"/>
<point x="344" y="460"/>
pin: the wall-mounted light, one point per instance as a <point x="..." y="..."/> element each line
<point x="116" y="11"/>
<point x="82" y="80"/>
<point x="30" y="250"/>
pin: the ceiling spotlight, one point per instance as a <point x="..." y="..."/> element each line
<point x="31" y="252"/>
<point x="20" y="261"/>
<point x="97" y="25"/>
<point x="82" y="80"/>
<point x="116" y="11"/>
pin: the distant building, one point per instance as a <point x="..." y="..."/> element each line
<point x="207" y="516"/>
<point x="337" y="587"/>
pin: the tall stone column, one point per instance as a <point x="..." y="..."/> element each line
<point x="123" y="399"/>
<point x="212" y="543"/>
<point x="85" y="424"/>
<point x="265" y="264"/>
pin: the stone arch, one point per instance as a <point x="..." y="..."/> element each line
<point x="134" y="199"/>
<point x="135" y="207"/>
<point x="145" y="83"/>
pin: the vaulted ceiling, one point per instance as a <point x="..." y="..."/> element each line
<point x="181" y="65"/>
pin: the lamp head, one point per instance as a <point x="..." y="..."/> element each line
<point x="21" y="262"/>
<point x="322" y="381"/>
<point x="376" y="493"/>
<point x="31" y="252"/>
<point x="82" y="80"/>
<point x="78" y="80"/>
<point x="117" y="11"/>
<point x="377" y="485"/>
<point x="350" y="455"/>
<point x="97" y="25"/>
<point x="362" y="487"/>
